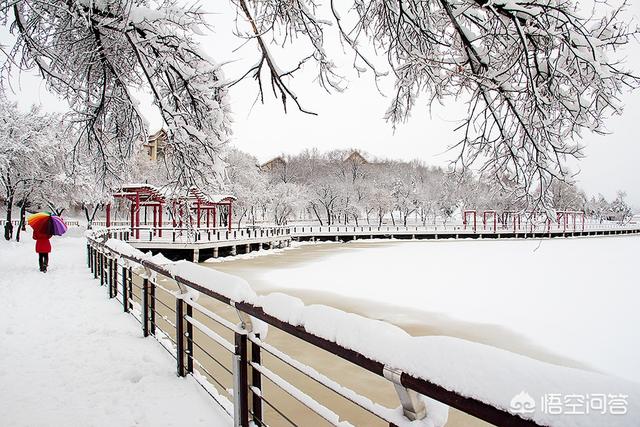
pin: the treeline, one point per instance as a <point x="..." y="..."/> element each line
<point x="346" y="187"/>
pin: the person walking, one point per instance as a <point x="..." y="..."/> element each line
<point x="45" y="225"/>
<point x="43" y="248"/>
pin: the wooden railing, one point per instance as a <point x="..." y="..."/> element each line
<point x="194" y="234"/>
<point x="16" y="222"/>
<point x="216" y="340"/>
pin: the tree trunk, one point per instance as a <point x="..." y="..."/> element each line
<point x="240" y="218"/>
<point x="90" y="217"/>
<point x="8" y="227"/>
<point x="315" y="211"/>
<point x="86" y="214"/>
<point x="21" y="225"/>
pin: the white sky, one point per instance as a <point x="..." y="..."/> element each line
<point x="353" y="119"/>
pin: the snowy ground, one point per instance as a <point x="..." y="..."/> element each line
<point x="577" y="298"/>
<point x="69" y="357"/>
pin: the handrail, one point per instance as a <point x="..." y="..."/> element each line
<point x="100" y="255"/>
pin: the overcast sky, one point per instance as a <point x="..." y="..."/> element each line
<point x="354" y="118"/>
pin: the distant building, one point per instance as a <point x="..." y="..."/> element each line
<point x="155" y="145"/>
<point x="273" y="164"/>
<point x="356" y="157"/>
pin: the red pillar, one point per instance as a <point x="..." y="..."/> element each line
<point x="160" y="220"/>
<point x="198" y="212"/>
<point x="132" y="217"/>
<point x="108" y="222"/>
<point x="495" y="222"/>
<point x="215" y="217"/>
<point x="174" y="215"/>
<point x="208" y="214"/>
<point x="137" y="215"/>
<point x="229" y="217"/>
<point x="155" y="226"/>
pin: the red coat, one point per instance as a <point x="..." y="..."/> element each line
<point x="43" y="246"/>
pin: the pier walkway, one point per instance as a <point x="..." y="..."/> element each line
<point x="198" y="244"/>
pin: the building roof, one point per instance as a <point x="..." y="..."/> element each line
<point x="272" y="162"/>
<point x="356" y="157"/>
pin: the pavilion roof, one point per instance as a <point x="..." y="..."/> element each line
<point x="147" y="193"/>
<point x="144" y="192"/>
<point x="200" y="196"/>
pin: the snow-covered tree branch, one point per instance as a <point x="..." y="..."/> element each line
<point x="96" y="55"/>
<point x="534" y="74"/>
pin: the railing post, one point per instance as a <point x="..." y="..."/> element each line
<point x="125" y="293"/>
<point x="110" y="277"/>
<point x="189" y="335"/>
<point x="240" y="382"/>
<point x="130" y="288"/>
<point x="114" y="284"/>
<point x="180" y="336"/>
<point x="95" y="264"/>
<point x="88" y="256"/>
<point x="256" y="382"/>
<point x="145" y="307"/>
<point x="115" y="277"/>
<point x="152" y="308"/>
<point x="101" y="269"/>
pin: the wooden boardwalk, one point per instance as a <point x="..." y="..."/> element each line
<point x="200" y="244"/>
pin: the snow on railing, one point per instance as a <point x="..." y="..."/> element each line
<point x="427" y="372"/>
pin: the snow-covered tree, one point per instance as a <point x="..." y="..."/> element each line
<point x="284" y="199"/>
<point x="96" y="54"/>
<point x="247" y="184"/>
<point x="620" y="210"/>
<point x="26" y="156"/>
<point x="565" y="196"/>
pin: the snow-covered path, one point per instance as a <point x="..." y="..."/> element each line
<point x="69" y="357"/>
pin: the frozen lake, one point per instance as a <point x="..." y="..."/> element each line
<point x="568" y="301"/>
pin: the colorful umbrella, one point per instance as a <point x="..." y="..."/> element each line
<point x="47" y="223"/>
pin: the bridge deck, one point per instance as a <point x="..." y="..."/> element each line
<point x="202" y="244"/>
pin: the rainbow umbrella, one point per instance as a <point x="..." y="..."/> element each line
<point x="47" y="223"/>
